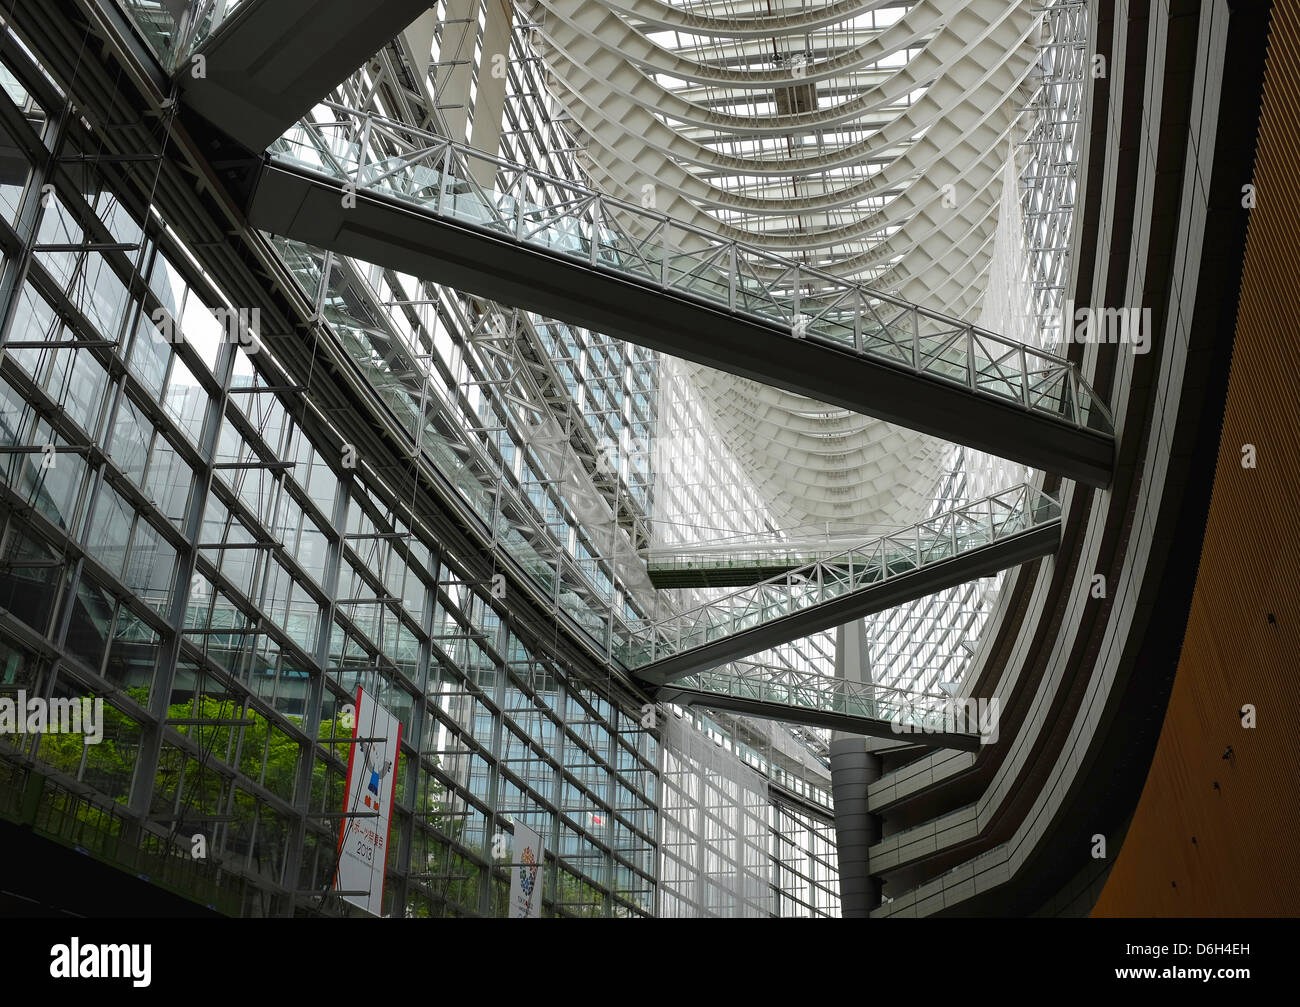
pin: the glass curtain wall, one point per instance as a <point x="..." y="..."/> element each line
<point x="174" y="541"/>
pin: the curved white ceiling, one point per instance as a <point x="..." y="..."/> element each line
<point x="867" y="138"/>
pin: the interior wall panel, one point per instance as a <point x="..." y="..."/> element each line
<point x="1215" y="832"/>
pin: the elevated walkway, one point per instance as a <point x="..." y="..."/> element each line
<point x="407" y="199"/>
<point x="976" y="540"/>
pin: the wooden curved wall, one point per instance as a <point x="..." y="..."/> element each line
<point x="1216" y="836"/>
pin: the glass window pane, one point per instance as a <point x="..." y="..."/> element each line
<point x="150" y="568"/>
<point x="186" y="401"/>
<point x="150" y="353"/>
<point x="132" y="656"/>
<point x="169" y="481"/>
<point x="110" y="528"/>
<point x="129" y="447"/>
<point x="91" y="622"/>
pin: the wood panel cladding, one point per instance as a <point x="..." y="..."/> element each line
<point x="1217" y="829"/>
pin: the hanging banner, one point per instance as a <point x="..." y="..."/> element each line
<point x="525" y="875"/>
<point x="372" y="784"/>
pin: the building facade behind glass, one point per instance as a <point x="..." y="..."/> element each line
<point x="191" y="533"/>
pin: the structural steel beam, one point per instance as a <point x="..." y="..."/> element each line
<point x="846" y="706"/>
<point x="793" y="713"/>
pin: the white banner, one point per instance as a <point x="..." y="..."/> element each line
<point x="525" y="874"/>
<point x="372" y="783"/>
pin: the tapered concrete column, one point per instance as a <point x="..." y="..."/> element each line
<point x="418" y="37"/>
<point x="490" y="99"/>
<point x="852" y="769"/>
